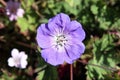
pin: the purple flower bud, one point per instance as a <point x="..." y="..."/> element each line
<point x="13" y="10"/>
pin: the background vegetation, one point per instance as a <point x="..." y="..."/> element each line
<point x="101" y="22"/>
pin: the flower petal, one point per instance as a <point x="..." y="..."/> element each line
<point x="10" y="3"/>
<point x="60" y="19"/>
<point x="15" y="53"/>
<point x="43" y="37"/>
<point x="54" y="28"/>
<point x="79" y="34"/>
<point x="51" y="56"/>
<point x="16" y="5"/>
<point x="55" y="57"/>
<point x="12" y="17"/>
<point x="75" y="50"/>
<point x="7" y="12"/>
<point x="20" y="12"/>
<point x="11" y="62"/>
<point x="23" y="55"/>
<point x="23" y="63"/>
<point x="76" y="41"/>
<point x="75" y="30"/>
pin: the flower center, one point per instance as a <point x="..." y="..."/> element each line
<point x="13" y="10"/>
<point x="17" y="62"/>
<point x="61" y="40"/>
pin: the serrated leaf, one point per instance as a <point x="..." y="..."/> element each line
<point x="103" y="62"/>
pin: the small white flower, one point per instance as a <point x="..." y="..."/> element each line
<point x="18" y="59"/>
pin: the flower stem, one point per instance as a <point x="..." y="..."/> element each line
<point x="71" y="72"/>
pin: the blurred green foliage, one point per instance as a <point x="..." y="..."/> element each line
<point x="105" y="56"/>
<point x="100" y="20"/>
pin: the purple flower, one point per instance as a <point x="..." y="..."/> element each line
<point x="13" y="10"/>
<point x="18" y="59"/>
<point x="61" y="40"/>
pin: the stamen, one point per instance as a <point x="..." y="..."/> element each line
<point x="61" y="40"/>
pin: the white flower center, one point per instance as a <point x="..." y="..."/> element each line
<point x="17" y="62"/>
<point x="60" y="40"/>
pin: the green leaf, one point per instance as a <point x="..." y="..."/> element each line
<point x="50" y="73"/>
<point x="29" y="3"/>
<point x="40" y="75"/>
<point x="116" y="24"/>
<point x="94" y="9"/>
<point x="23" y="24"/>
<point x="50" y="3"/>
<point x="70" y="2"/>
<point x="104" y="61"/>
<point x="104" y="24"/>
